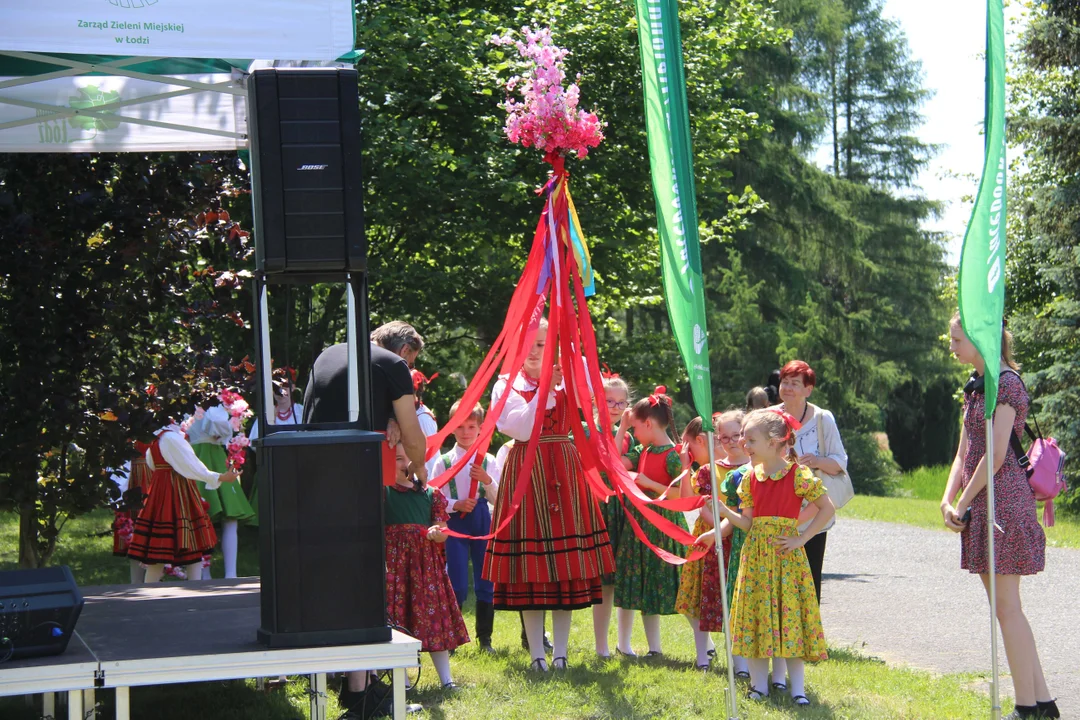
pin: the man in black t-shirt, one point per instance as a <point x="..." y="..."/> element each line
<point x="326" y="399"/>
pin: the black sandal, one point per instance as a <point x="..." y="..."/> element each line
<point x="705" y="668"/>
<point x="779" y="687"/>
<point x="742" y="675"/>
<point x="800" y="699"/>
<point x="558" y="663"/>
<point x="654" y="653"/>
<point x="538" y="665"/>
<point x="757" y="695"/>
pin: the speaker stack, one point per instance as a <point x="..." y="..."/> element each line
<point x="320" y="492"/>
<point x="38" y="611"/>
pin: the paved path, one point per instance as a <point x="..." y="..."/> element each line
<point x="897" y="592"/>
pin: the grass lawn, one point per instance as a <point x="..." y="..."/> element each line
<point x="848" y="685"/>
<point x="920" y="506"/>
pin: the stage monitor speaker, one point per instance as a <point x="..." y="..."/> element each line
<point x="321" y="546"/>
<point x="304" y="125"/>
<point x="38" y="611"/>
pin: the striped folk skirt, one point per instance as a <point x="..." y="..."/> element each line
<point x="553" y="552"/>
<point x="173" y="527"/>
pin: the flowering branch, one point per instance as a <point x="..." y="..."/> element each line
<point x="548" y="118"/>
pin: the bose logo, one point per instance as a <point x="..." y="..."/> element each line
<point x="312" y="167"/>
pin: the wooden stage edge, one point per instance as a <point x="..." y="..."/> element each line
<point x="191" y="631"/>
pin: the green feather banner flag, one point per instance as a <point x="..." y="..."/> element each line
<point x="667" y="123"/>
<point x="982" y="261"/>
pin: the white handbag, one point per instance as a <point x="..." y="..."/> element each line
<point x="838" y="486"/>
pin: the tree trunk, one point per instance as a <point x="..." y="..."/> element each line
<point x="835" y="117"/>
<point x="848" y="102"/>
<point x="29" y="558"/>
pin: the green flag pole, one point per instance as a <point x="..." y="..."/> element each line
<point x="667" y="124"/>
<point x="982" y="281"/>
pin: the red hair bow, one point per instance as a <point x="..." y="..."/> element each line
<point x="419" y="379"/>
<point x="659" y="396"/>
<point x="607" y="374"/>
<point x="789" y="420"/>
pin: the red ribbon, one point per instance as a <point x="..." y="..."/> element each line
<point x="789" y="420"/>
<point x="659" y="396"/>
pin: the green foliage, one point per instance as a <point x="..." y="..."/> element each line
<point x="871" y="466"/>
<point x="109" y="304"/>
<point x="1044" y="252"/>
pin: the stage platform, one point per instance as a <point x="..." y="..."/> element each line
<point x="178" y="632"/>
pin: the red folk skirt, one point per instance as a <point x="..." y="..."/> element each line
<point x="419" y="596"/>
<point x="552" y="554"/>
<point x="124" y="523"/>
<point x="712" y="602"/>
<point x="173" y="526"/>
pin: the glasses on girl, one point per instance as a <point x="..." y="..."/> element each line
<point x="728" y="439"/>
<point x="616" y="403"/>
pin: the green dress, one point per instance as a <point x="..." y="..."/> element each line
<point x="228" y="501"/>
<point x="729" y="489"/>
<point x="642" y="580"/>
<point x="612" y="511"/>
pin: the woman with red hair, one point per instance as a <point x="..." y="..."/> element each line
<point x="819" y="447"/>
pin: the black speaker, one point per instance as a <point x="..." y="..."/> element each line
<point x="304" y="125"/>
<point x="38" y="611"/>
<point x="321" y="545"/>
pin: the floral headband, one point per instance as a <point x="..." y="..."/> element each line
<point x="659" y="397"/>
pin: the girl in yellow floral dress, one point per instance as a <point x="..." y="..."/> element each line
<point x="775" y="614"/>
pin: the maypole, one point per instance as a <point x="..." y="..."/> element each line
<point x="558" y="277"/>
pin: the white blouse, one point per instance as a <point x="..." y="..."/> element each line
<point x="517" y="415"/>
<point x="181" y="458"/>
<point x="462" y="481"/>
<point x="293" y="419"/>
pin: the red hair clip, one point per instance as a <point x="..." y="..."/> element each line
<point x="659" y="396"/>
<point x="607" y="374"/>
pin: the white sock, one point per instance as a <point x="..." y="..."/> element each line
<point x="193" y="571"/>
<point x="601" y="621"/>
<point x="759" y="674"/>
<point x="154" y="573"/>
<point x="711" y="645"/>
<point x="560" y="632"/>
<point x="138" y="572"/>
<point x="229" y="544"/>
<point x="652" y="631"/>
<point x="534" y="631"/>
<point x="441" y="661"/>
<point x="797" y="672"/>
<point x="779" y="670"/>
<point x="701" y="641"/>
<point x="738" y="664"/>
<point x="625" y="620"/>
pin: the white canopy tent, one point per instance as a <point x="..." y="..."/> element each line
<point x="65" y="88"/>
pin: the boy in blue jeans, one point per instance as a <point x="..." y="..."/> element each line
<point x="470" y="497"/>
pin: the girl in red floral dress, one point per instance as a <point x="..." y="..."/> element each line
<point x="419" y="596"/>
<point x="555" y="549"/>
<point x="1019" y="541"/>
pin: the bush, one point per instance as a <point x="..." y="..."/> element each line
<point x="871" y="465"/>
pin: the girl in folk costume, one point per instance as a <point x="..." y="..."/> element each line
<point x="469" y="496"/>
<point x="643" y="581"/>
<point x="133" y="481"/>
<point x="419" y="596"/>
<point x="210" y="433"/>
<point x="424" y="415"/>
<point x="173" y="528"/>
<point x="554" y="549"/>
<point x="689" y="601"/>
<point x="776" y="610"/>
<point x="617" y="394"/>
<point x="286" y="412"/>
<point x="728" y="429"/>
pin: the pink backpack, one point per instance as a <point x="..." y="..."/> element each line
<point x="1044" y="463"/>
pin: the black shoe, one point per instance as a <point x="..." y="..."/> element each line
<point x="485" y="624"/>
<point x="548" y="647"/>
<point x="1048" y="709"/>
<point x="1024" y="711"/>
<point x="485" y="647"/>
